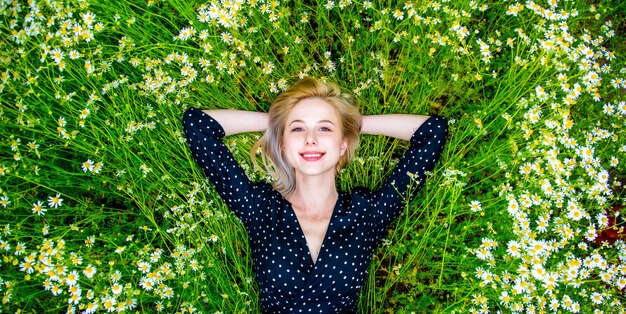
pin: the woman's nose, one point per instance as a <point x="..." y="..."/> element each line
<point x="310" y="138"/>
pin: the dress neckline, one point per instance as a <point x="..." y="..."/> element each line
<point x="302" y="238"/>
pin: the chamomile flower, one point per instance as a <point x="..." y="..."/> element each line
<point x="575" y="211"/>
<point x="475" y="206"/>
<point x="90" y="271"/>
<point x="117" y="288"/>
<point x="55" y="201"/>
<point x="55" y="289"/>
<point x="268" y="67"/>
<point x="97" y="167"/>
<point x="146" y="283"/>
<point x="91" y="307"/>
<point x="20" y="248"/>
<point x="167" y="293"/>
<point x="87" y="165"/>
<point x="194" y="265"/>
<point x="597" y="298"/>
<point x="109" y="302"/>
<point x="27" y="265"/>
<point x="398" y="14"/>
<point x="185" y="33"/>
<point x="74" y="54"/>
<point x="143" y="267"/>
<point x="88" y="18"/>
<point x="4" y="245"/>
<point x="514" y="248"/>
<point x="57" y="55"/>
<point x="213" y="237"/>
<point x="39" y="208"/>
<point x="608" y="109"/>
<point x="72" y="278"/>
<point x="89" y="242"/>
<point x="116" y="276"/>
<point x="85" y="112"/>
<point x="4" y="201"/>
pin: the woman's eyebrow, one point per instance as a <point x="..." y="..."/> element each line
<point x="320" y="121"/>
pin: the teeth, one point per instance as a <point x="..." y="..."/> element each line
<point x="312" y="155"/>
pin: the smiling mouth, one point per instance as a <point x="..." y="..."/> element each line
<point x="312" y="156"/>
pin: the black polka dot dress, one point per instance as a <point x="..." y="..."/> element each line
<point x="288" y="279"/>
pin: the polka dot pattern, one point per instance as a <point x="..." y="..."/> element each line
<point x="288" y="279"/>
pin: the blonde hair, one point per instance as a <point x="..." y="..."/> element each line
<point x="271" y="144"/>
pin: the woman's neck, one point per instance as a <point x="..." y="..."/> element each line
<point x="314" y="194"/>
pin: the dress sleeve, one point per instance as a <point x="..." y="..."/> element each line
<point x="204" y="136"/>
<point x="409" y="175"/>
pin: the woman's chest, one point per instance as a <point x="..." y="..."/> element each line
<point x="284" y="262"/>
<point x="314" y="230"/>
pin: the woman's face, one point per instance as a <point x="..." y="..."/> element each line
<point x="313" y="140"/>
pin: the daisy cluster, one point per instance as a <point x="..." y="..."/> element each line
<point x="558" y="189"/>
<point x="58" y="247"/>
<point x="90" y="284"/>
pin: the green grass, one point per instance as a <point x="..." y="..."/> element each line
<point x="510" y="220"/>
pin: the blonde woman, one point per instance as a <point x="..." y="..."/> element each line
<point x="311" y="244"/>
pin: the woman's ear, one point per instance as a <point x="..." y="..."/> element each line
<point x="344" y="146"/>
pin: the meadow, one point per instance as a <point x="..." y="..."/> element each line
<point x="102" y="208"/>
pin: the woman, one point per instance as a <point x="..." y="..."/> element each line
<point x="311" y="244"/>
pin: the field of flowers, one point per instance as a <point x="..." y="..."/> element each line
<point x="102" y="208"/>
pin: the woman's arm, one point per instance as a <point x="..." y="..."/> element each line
<point x="204" y="134"/>
<point x="426" y="136"/>
<point x="400" y="126"/>
<point x="239" y="121"/>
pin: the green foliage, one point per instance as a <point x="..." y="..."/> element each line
<point x="102" y="207"/>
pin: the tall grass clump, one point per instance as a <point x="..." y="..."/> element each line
<point x="103" y="209"/>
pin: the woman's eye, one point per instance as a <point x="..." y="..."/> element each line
<point x="296" y="129"/>
<point x="325" y="129"/>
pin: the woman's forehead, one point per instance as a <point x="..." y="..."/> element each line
<point x="313" y="109"/>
